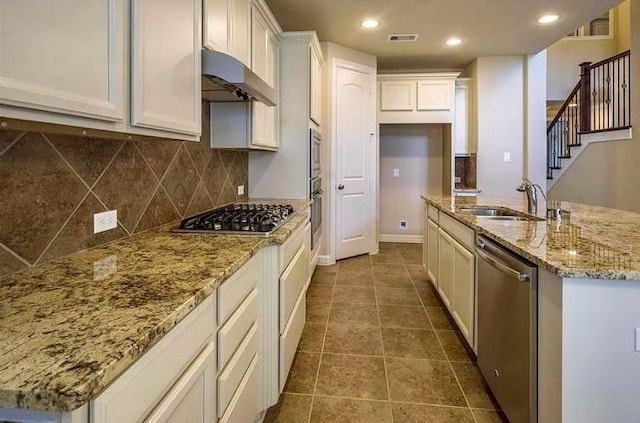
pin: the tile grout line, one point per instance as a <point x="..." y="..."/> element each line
<point x="384" y="356"/>
<point x="464" y="395"/>
<point x="14" y="142"/>
<point x="324" y="338"/>
<point x="15" y="255"/>
<point x="164" y="175"/>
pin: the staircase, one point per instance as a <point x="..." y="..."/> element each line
<point x="600" y="102"/>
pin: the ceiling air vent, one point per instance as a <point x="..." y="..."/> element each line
<point x="402" y="38"/>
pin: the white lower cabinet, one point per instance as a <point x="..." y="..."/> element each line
<point x="445" y="267"/>
<point x="164" y="382"/>
<point x="463" y="301"/>
<point x="432" y="251"/>
<point x="190" y="398"/>
<point x="451" y="265"/>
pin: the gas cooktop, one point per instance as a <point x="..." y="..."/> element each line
<point x="249" y="219"/>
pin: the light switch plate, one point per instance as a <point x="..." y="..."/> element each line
<point x="240" y="189"/>
<point x="396" y="172"/>
<point x="457" y="179"/>
<point x="637" y="339"/>
<point x="404" y="225"/>
<point x="105" y="221"/>
<point x="507" y="156"/>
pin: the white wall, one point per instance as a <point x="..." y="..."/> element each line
<point x="535" y="154"/>
<point x="563" y="60"/>
<point x="565" y="55"/>
<point x="607" y="173"/>
<point x="417" y="152"/>
<point x="499" y="107"/>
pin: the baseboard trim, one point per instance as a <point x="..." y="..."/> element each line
<point x="325" y="260"/>
<point x="410" y="239"/>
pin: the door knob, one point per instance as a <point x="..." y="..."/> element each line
<point x="340" y="187"/>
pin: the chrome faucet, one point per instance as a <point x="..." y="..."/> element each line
<point x="529" y="188"/>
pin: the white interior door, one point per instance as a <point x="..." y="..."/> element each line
<point x="355" y="159"/>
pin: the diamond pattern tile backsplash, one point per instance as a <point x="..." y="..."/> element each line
<point x="52" y="184"/>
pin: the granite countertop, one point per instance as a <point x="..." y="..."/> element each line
<point x="70" y="327"/>
<point x="593" y="243"/>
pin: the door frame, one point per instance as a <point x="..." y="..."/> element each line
<point x="333" y="228"/>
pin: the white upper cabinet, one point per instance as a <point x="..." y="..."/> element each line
<point x="315" y="95"/>
<point x="65" y="57"/>
<point x="463" y="138"/>
<point x="166" y="71"/>
<point x="240" y="30"/>
<point x="260" y="35"/>
<point x="215" y="25"/>
<point x="434" y="95"/>
<point x="416" y="98"/>
<point x="397" y="95"/>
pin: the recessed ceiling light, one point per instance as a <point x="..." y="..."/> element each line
<point x="369" y="23"/>
<point x="454" y="41"/>
<point x="547" y="19"/>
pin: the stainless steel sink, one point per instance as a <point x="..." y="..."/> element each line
<point x="498" y="213"/>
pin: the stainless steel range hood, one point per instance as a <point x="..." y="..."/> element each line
<point x="225" y="78"/>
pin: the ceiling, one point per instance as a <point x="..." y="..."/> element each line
<point x="487" y="27"/>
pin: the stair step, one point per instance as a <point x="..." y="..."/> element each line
<point x="564" y="157"/>
<point x="575" y="145"/>
<point x="555" y="167"/>
<point x="549" y="178"/>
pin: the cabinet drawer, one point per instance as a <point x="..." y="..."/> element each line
<point x="235" y="329"/>
<point x="292" y="283"/>
<point x="189" y="399"/>
<point x="245" y="405"/>
<point x="141" y="387"/>
<point x="433" y="213"/>
<point x="460" y="231"/>
<point x="290" y="338"/>
<point x="291" y="247"/>
<point x="233" y="291"/>
<point x="232" y="375"/>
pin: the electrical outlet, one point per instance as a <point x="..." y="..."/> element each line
<point x="105" y="221"/>
<point x="507" y="156"/>
<point x="105" y="267"/>
<point x="240" y="189"/>
<point x="404" y="225"/>
<point x="457" y="179"/>
<point x="396" y="172"/>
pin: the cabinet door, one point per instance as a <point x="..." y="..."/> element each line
<point x="432" y="251"/>
<point x="463" y="289"/>
<point x="461" y="121"/>
<point x="165" y="68"/>
<point x="434" y="95"/>
<point x="215" y="25"/>
<point x="65" y="56"/>
<point x="398" y="96"/>
<point x="240" y="31"/>
<point x="315" y="94"/>
<point x="263" y="126"/>
<point x="425" y="240"/>
<point x="259" y="44"/>
<point x="192" y="398"/>
<point x="445" y="267"/>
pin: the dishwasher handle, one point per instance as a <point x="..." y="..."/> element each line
<point x="480" y="249"/>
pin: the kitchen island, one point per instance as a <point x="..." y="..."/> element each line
<point x="71" y="327"/>
<point x="588" y="299"/>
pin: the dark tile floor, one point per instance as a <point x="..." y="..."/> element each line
<point x="379" y="347"/>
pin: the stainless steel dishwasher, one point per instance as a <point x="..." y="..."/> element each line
<point x="507" y="329"/>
